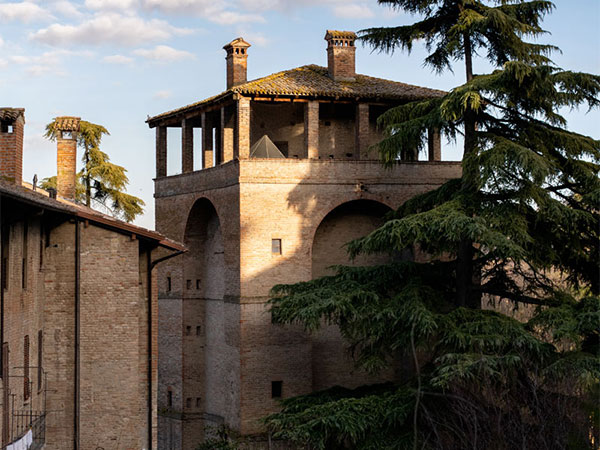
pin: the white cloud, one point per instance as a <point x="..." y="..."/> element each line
<point x="66" y="8"/>
<point x="109" y="28"/>
<point x="352" y="11"/>
<point x="163" y="53"/>
<point x="117" y="59"/>
<point x="231" y="18"/>
<point x="254" y="38"/>
<point x="161" y="95"/>
<point x="47" y="62"/>
<point x="23" y="12"/>
<point x="112" y="5"/>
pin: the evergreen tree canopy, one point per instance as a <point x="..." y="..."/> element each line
<point x="519" y="226"/>
<point x="100" y="180"/>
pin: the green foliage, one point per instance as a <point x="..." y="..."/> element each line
<point x="520" y="225"/>
<point x="100" y="181"/>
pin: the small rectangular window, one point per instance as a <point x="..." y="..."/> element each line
<point x="169" y="398"/>
<point x="276" y="246"/>
<point x="188" y="402"/>
<point x="197" y="284"/>
<point x="197" y="402"/>
<point x="66" y="135"/>
<point x="276" y="389"/>
<point x="168" y="284"/>
<point x="188" y="284"/>
<point x="198" y="330"/>
<point x="188" y="330"/>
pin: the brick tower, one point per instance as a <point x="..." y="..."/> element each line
<point x="250" y="223"/>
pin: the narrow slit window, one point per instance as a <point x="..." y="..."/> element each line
<point x="276" y="246"/>
<point x="276" y="389"/>
<point x="198" y="329"/>
<point x="197" y="402"/>
<point x="197" y="284"/>
<point x="169" y="284"/>
<point x="40" y="372"/>
<point x="26" y="389"/>
<point x="169" y="398"/>
<point x="188" y="330"/>
<point x="188" y="284"/>
<point x="188" y="402"/>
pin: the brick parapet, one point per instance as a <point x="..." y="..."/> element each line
<point x="311" y="129"/>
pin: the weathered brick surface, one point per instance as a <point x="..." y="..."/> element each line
<point x="238" y="353"/>
<point x="113" y="333"/>
<point x="311" y="129"/>
<point x="187" y="146"/>
<point x="11" y="152"/>
<point x="341" y="59"/>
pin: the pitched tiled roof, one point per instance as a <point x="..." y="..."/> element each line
<point x="40" y="198"/>
<point x="313" y="81"/>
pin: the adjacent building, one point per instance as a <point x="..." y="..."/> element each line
<point x="78" y="310"/>
<point x="283" y="177"/>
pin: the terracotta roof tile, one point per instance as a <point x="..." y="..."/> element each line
<point x="12" y="114"/>
<point x="336" y="34"/>
<point x="313" y="81"/>
<point x="67" y="123"/>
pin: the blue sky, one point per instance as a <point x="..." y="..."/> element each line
<point x="114" y="62"/>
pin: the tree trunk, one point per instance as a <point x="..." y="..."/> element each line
<point x="465" y="275"/>
<point x="88" y="188"/>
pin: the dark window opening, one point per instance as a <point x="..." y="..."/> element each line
<point x="6" y="127"/>
<point x="26" y="389"/>
<point x="197" y="284"/>
<point x="40" y="373"/>
<point x="283" y="147"/>
<point x="169" y="398"/>
<point x="188" y="284"/>
<point x="276" y="389"/>
<point x="188" y="402"/>
<point x="198" y="330"/>
<point x="168" y="283"/>
<point x="197" y="402"/>
<point x="276" y="246"/>
<point x="188" y="330"/>
<point x="24" y="265"/>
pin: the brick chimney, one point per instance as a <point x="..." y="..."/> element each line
<point x="12" y="123"/>
<point x="340" y="55"/>
<point x="66" y="152"/>
<point x="237" y="62"/>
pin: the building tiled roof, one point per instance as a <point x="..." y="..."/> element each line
<point x="67" y="123"/>
<point x="41" y="198"/>
<point x="313" y="81"/>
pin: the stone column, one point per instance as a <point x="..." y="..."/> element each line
<point x="311" y="129"/>
<point x="435" y="145"/>
<point x="207" y="142"/>
<point x="161" y="152"/>
<point x="361" y="127"/>
<point x="226" y="134"/>
<point x="242" y="141"/>
<point x="187" y="146"/>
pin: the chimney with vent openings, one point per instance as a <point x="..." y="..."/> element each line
<point x="237" y="62"/>
<point x="67" y="129"/>
<point x="340" y="55"/>
<point x="12" y="124"/>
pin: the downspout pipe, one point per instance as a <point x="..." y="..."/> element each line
<point x="150" y="266"/>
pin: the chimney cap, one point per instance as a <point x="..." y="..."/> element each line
<point x="336" y="34"/>
<point x="67" y="123"/>
<point x="12" y="114"/>
<point x="238" y="42"/>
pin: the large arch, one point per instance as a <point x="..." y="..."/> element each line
<point x="207" y="373"/>
<point x="332" y="364"/>
<point x="344" y="223"/>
